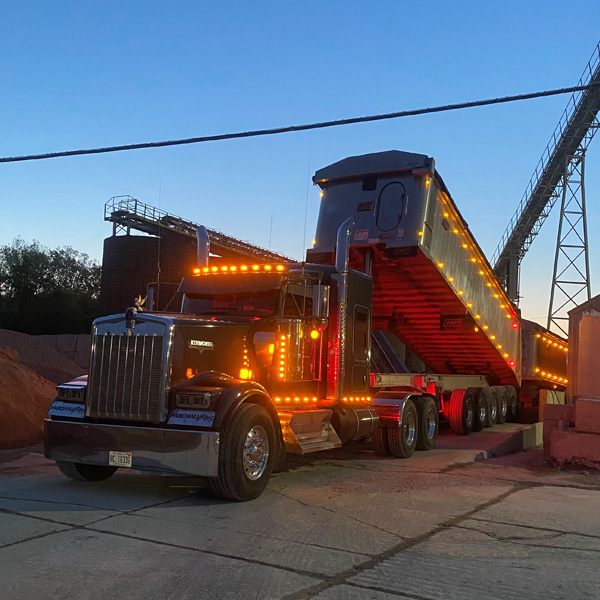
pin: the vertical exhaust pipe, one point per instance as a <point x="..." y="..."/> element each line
<point x="203" y="246"/>
<point x="342" y="249"/>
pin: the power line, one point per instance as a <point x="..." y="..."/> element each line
<point x="293" y="128"/>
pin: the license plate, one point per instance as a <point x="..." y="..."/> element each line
<point x="119" y="459"/>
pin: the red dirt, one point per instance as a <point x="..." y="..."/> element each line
<point x="25" y="398"/>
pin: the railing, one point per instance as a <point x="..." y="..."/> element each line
<point x="540" y="194"/>
<point x="121" y="209"/>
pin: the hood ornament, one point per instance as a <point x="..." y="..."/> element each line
<point x="138" y="306"/>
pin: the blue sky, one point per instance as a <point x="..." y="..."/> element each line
<point x="78" y="74"/>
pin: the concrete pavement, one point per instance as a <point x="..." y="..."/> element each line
<point x="345" y="524"/>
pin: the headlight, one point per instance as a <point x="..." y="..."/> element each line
<point x="192" y="400"/>
<point x="70" y="394"/>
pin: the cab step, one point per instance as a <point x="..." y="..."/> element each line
<point x="307" y="431"/>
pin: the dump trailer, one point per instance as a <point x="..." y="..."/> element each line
<point x="269" y="359"/>
<point x="434" y="291"/>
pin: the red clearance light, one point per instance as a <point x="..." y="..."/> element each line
<point x="515" y="325"/>
<point x="512" y="363"/>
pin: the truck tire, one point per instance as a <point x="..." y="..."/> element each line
<point x="403" y="439"/>
<point x="428" y="422"/>
<point x="502" y="396"/>
<point x="81" y="472"/>
<point x="461" y="411"/>
<point x="513" y="402"/>
<point x="379" y="439"/>
<point x="492" y="406"/>
<point x="481" y="408"/>
<point x="246" y="456"/>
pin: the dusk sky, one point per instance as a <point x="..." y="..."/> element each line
<point x="82" y="74"/>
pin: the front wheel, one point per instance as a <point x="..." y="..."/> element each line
<point x="246" y="451"/>
<point x="81" y="472"/>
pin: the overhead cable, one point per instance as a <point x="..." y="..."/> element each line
<point x="293" y="128"/>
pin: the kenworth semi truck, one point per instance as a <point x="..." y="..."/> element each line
<point x="269" y="359"/>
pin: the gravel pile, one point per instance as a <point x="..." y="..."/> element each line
<point x="40" y="357"/>
<point x="24" y="400"/>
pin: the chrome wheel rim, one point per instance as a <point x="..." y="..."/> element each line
<point x="504" y="407"/>
<point x="482" y="411"/>
<point x="430" y="422"/>
<point x="470" y="412"/>
<point x="256" y="453"/>
<point x="410" y="428"/>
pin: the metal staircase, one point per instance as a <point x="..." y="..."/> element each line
<point x="127" y="213"/>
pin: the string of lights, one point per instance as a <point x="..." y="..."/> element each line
<point x="295" y="128"/>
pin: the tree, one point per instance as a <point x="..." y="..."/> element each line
<point x="47" y="291"/>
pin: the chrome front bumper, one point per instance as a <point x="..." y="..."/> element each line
<point x="153" y="449"/>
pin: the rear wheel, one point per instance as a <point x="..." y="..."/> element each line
<point x="461" y="411"/>
<point x="246" y="451"/>
<point x="502" y="396"/>
<point x="492" y="406"/>
<point x="428" y="422"/>
<point x="481" y="408"/>
<point x="403" y="439"/>
<point x="513" y="402"/>
<point x="81" y="472"/>
<point x="379" y="439"/>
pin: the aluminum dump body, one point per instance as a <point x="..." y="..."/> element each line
<point x="433" y="287"/>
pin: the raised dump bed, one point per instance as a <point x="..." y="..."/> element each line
<point x="433" y="287"/>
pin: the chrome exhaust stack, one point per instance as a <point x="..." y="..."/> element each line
<point x="203" y="246"/>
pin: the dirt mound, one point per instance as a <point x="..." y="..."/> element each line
<point x="40" y="357"/>
<point x="25" y="398"/>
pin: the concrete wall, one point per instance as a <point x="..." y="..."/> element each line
<point x="73" y="347"/>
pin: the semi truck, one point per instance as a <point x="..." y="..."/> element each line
<point x="269" y="359"/>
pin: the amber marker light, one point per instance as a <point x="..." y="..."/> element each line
<point x="440" y="265"/>
<point x="255" y="267"/>
<point x="224" y="269"/>
<point x="268" y="267"/>
<point x="197" y="271"/>
<point x="469" y="305"/>
<point x="280" y="267"/>
<point x="214" y="269"/>
<point x="478" y="316"/>
<point x="419" y="233"/>
<point x="322" y="194"/>
<point x="314" y="334"/>
<point x="205" y="270"/>
<point x="244" y="268"/>
<point x="189" y="373"/>
<point x="450" y="279"/>
<point x="233" y="268"/>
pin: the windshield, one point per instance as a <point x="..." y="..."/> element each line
<point x="243" y="304"/>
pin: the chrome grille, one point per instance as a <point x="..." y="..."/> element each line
<point x="126" y="377"/>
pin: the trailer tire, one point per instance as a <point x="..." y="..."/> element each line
<point x="461" y="411"/>
<point x="480" y="407"/>
<point x="246" y="450"/>
<point x="403" y="439"/>
<point x="513" y="402"/>
<point x="379" y="439"/>
<point x="428" y="422"/>
<point x="502" y="396"/>
<point x="81" y="472"/>
<point x="492" y="404"/>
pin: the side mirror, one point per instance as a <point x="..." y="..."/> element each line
<point x="320" y="301"/>
<point x="264" y="345"/>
